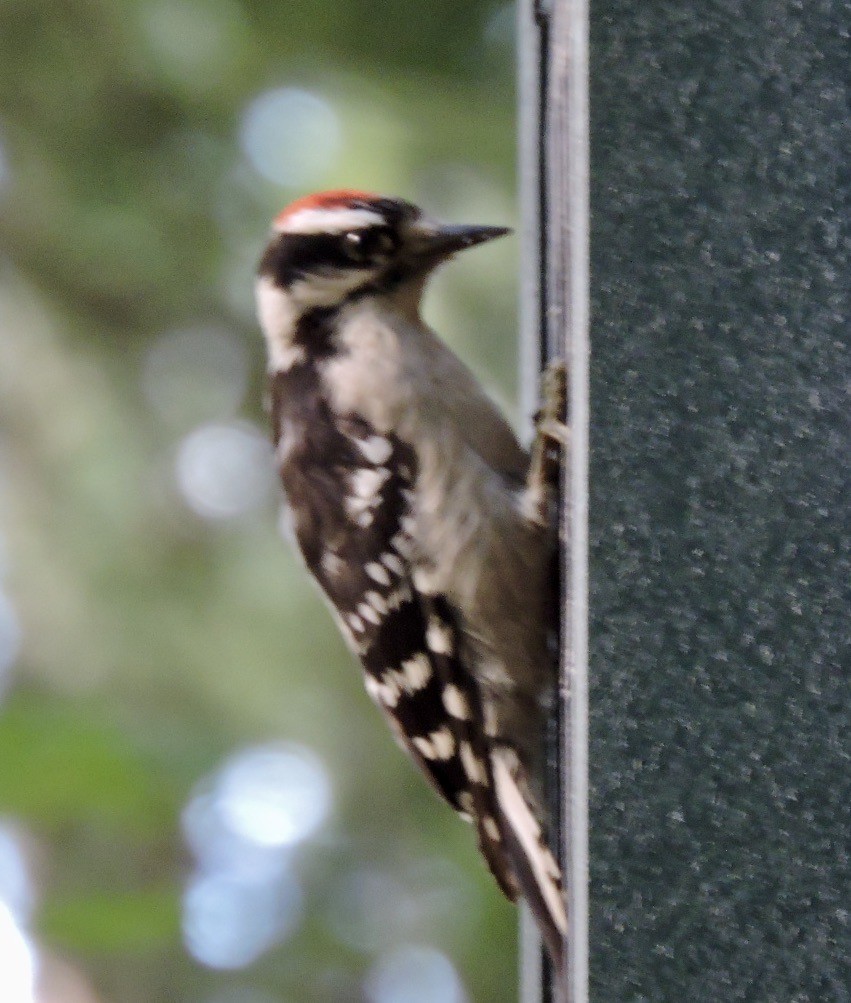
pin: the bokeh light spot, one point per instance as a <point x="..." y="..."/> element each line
<point x="229" y="923"/>
<point x="216" y="847"/>
<point x="275" y="795"/>
<point x="225" y="470"/>
<point x="17" y="961"/>
<point x="290" y="135"/>
<point x="241" y="824"/>
<point x="16" y="891"/>
<point x="10" y="640"/>
<point x="414" y="974"/>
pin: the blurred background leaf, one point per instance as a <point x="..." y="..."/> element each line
<point x="197" y="800"/>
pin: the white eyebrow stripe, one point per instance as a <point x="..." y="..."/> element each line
<point x="329" y="220"/>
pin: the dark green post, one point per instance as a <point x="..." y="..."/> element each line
<point x="720" y="557"/>
<point x="719" y="562"/>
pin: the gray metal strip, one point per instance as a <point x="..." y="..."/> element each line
<point x="554" y="126"/>
<point x="532" y="346"/>
<point x="568" y="312"/>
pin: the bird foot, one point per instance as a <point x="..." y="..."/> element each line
<point x="552" y="438"/>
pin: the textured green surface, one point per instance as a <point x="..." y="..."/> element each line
<point x="720" y="657"/>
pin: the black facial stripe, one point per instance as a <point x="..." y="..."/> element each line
<point x="293" y="256"/>
<point x="373" y="244"/>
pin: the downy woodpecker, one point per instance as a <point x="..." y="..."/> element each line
<point x="428" y="528"/>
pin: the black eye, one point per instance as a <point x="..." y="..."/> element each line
<point x="353" y="245"/>
<point x="368" y="246"/>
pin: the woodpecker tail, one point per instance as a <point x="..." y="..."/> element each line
<point x="537" y="873"/>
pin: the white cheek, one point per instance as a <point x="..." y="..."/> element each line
<point x="277" y="314"/>
<point x="327" y="290"/>
<point x="279" y="310"/>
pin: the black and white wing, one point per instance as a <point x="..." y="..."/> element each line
<point x="350" y="492"/>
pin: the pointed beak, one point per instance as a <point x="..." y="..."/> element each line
<point x="435" y="241"/>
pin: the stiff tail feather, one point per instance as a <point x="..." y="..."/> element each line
<point x="535" y="868"/>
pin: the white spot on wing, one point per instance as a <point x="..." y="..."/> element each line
<point x="439" y="745"/>
<point x="377" y="602"/>
<point x="376" y="449"/>
<point x="368" y="481"/>
<point x="368" y="613"/>
<point x="411" y="677"/>
<point x="386" y="690"/>
<point x="392" y="562"/>
<point x="456" y="703"/>
<point x="377" y="573"/>
<point x="373" y="687"/>
<point x="473" y="766"/>
<point x="424" y="747"/>
<point x="331" y="563"/>
<point x="417" y="672"/>
<point x="443" y="743"/>
<point x="438" y="637"/>
<point x="366" y="484"/>
<point x="491" y="828"/>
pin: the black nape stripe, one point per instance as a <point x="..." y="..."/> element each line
<point x="315" y="332"/>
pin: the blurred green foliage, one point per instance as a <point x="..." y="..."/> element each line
<point x="154" y="641"/>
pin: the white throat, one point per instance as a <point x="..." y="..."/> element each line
<point x="279" y="310"/>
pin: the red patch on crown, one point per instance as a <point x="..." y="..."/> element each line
<point x="340" y="198"/>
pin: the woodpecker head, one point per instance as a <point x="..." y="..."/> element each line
<point x="333" y="247"/>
